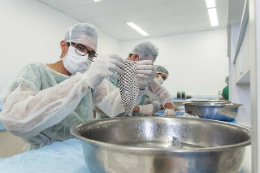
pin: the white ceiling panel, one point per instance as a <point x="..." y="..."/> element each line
<point x="118" y="28"/>
<point x="131" y="16"/>
<point x="91" y="21"/>
<point x="223" y="21"/>
<point x="155" y="31"/>
<point x="54" y="4"/>
<point x="146" y="3"/>
<point x="165" y="20"/>
<point x="204" y="24"/>
<point x="74" y="3"/>
<point x="134" y="38"/>
<point x="91" y="10"/>
<point x="220" y="26"/>
<point x="158" y="10"/>
<point x="173" y="29"/>
<point x="193" y="16"/>
<point x="174" y="0"/>
<point x="156" y="17"/>
<point x="107" y="20"/>
<point x="105" y="30"/>
<point x="188" y="6"/>
<point x="220" y="3"/>
<point x="156" y="35"/>
<point x="116" y="6"/>
<point x="175" y="32"/>
<point x="145" y="24"/>
<point x="130" y="35"/>
<point x="73" y="14"/>
<point x="222" y="11"/>
<point x="196" y="29"/>
<point x="199" y="29"/>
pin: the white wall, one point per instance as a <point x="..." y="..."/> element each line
<point x="256" y="107"/>
<point x="197" y="62"/>
<point x="31" y="32"/>
<point x="239" y="93"/>
<point x="247" y="93"/>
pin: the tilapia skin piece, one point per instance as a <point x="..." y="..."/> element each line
<point x="129" y="86"/>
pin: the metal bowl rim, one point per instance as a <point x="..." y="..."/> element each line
<point x="214" y="101"/>
<point x="198" y="150"/>
<point x="211" y="104"/>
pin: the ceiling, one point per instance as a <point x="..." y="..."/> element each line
<point x="156" y="17"/>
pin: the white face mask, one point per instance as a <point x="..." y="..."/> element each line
<point x="75" y="63"/>
<point x="159" y="80"/>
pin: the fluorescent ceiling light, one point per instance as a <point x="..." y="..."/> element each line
<point x="211" y="3"/>
<point x="213" y="16"/>
<point x="97" y="0"/>
<point x="137" y="28"/>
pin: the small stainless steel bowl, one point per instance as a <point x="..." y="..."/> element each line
<point x="211" y="110"/>
<point x="162" y="145"/>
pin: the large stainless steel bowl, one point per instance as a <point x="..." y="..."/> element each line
<point x="216" y="111"/>
<point x="211" y="101"/>
<point x="162" y="145"/>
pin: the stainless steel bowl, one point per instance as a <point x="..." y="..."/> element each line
<point x="216" y="111"/>
<point x="214" y="101"/>
<point x="162" y="145"/>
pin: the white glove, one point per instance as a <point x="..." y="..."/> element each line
<point x="146" y="72"/>
<point x="147" y="110"/>
<point x="176" y="108"/>
<point x="169" y="112"/>
<point x="101" y="67"/>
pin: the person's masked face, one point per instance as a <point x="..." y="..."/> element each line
<point x="74" y="62"/>
<point x="160" y="78"/>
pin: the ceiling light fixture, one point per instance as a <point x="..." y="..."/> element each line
<point x="137" y="28"/>
<point x="213" y="16"/>
<point x="97" y="0"/>
<point x="211" y="3"/>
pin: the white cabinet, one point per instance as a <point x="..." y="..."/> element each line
<point x="239" y="42"/>
<point x="245" y="73"/>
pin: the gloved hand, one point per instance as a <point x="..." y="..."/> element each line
<point x="176" y="108"/>
<point x="147" y="110"/>
<point x="101" y="67"/>
<point x="169" y="112"/>
<point x="146" y="72"/>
